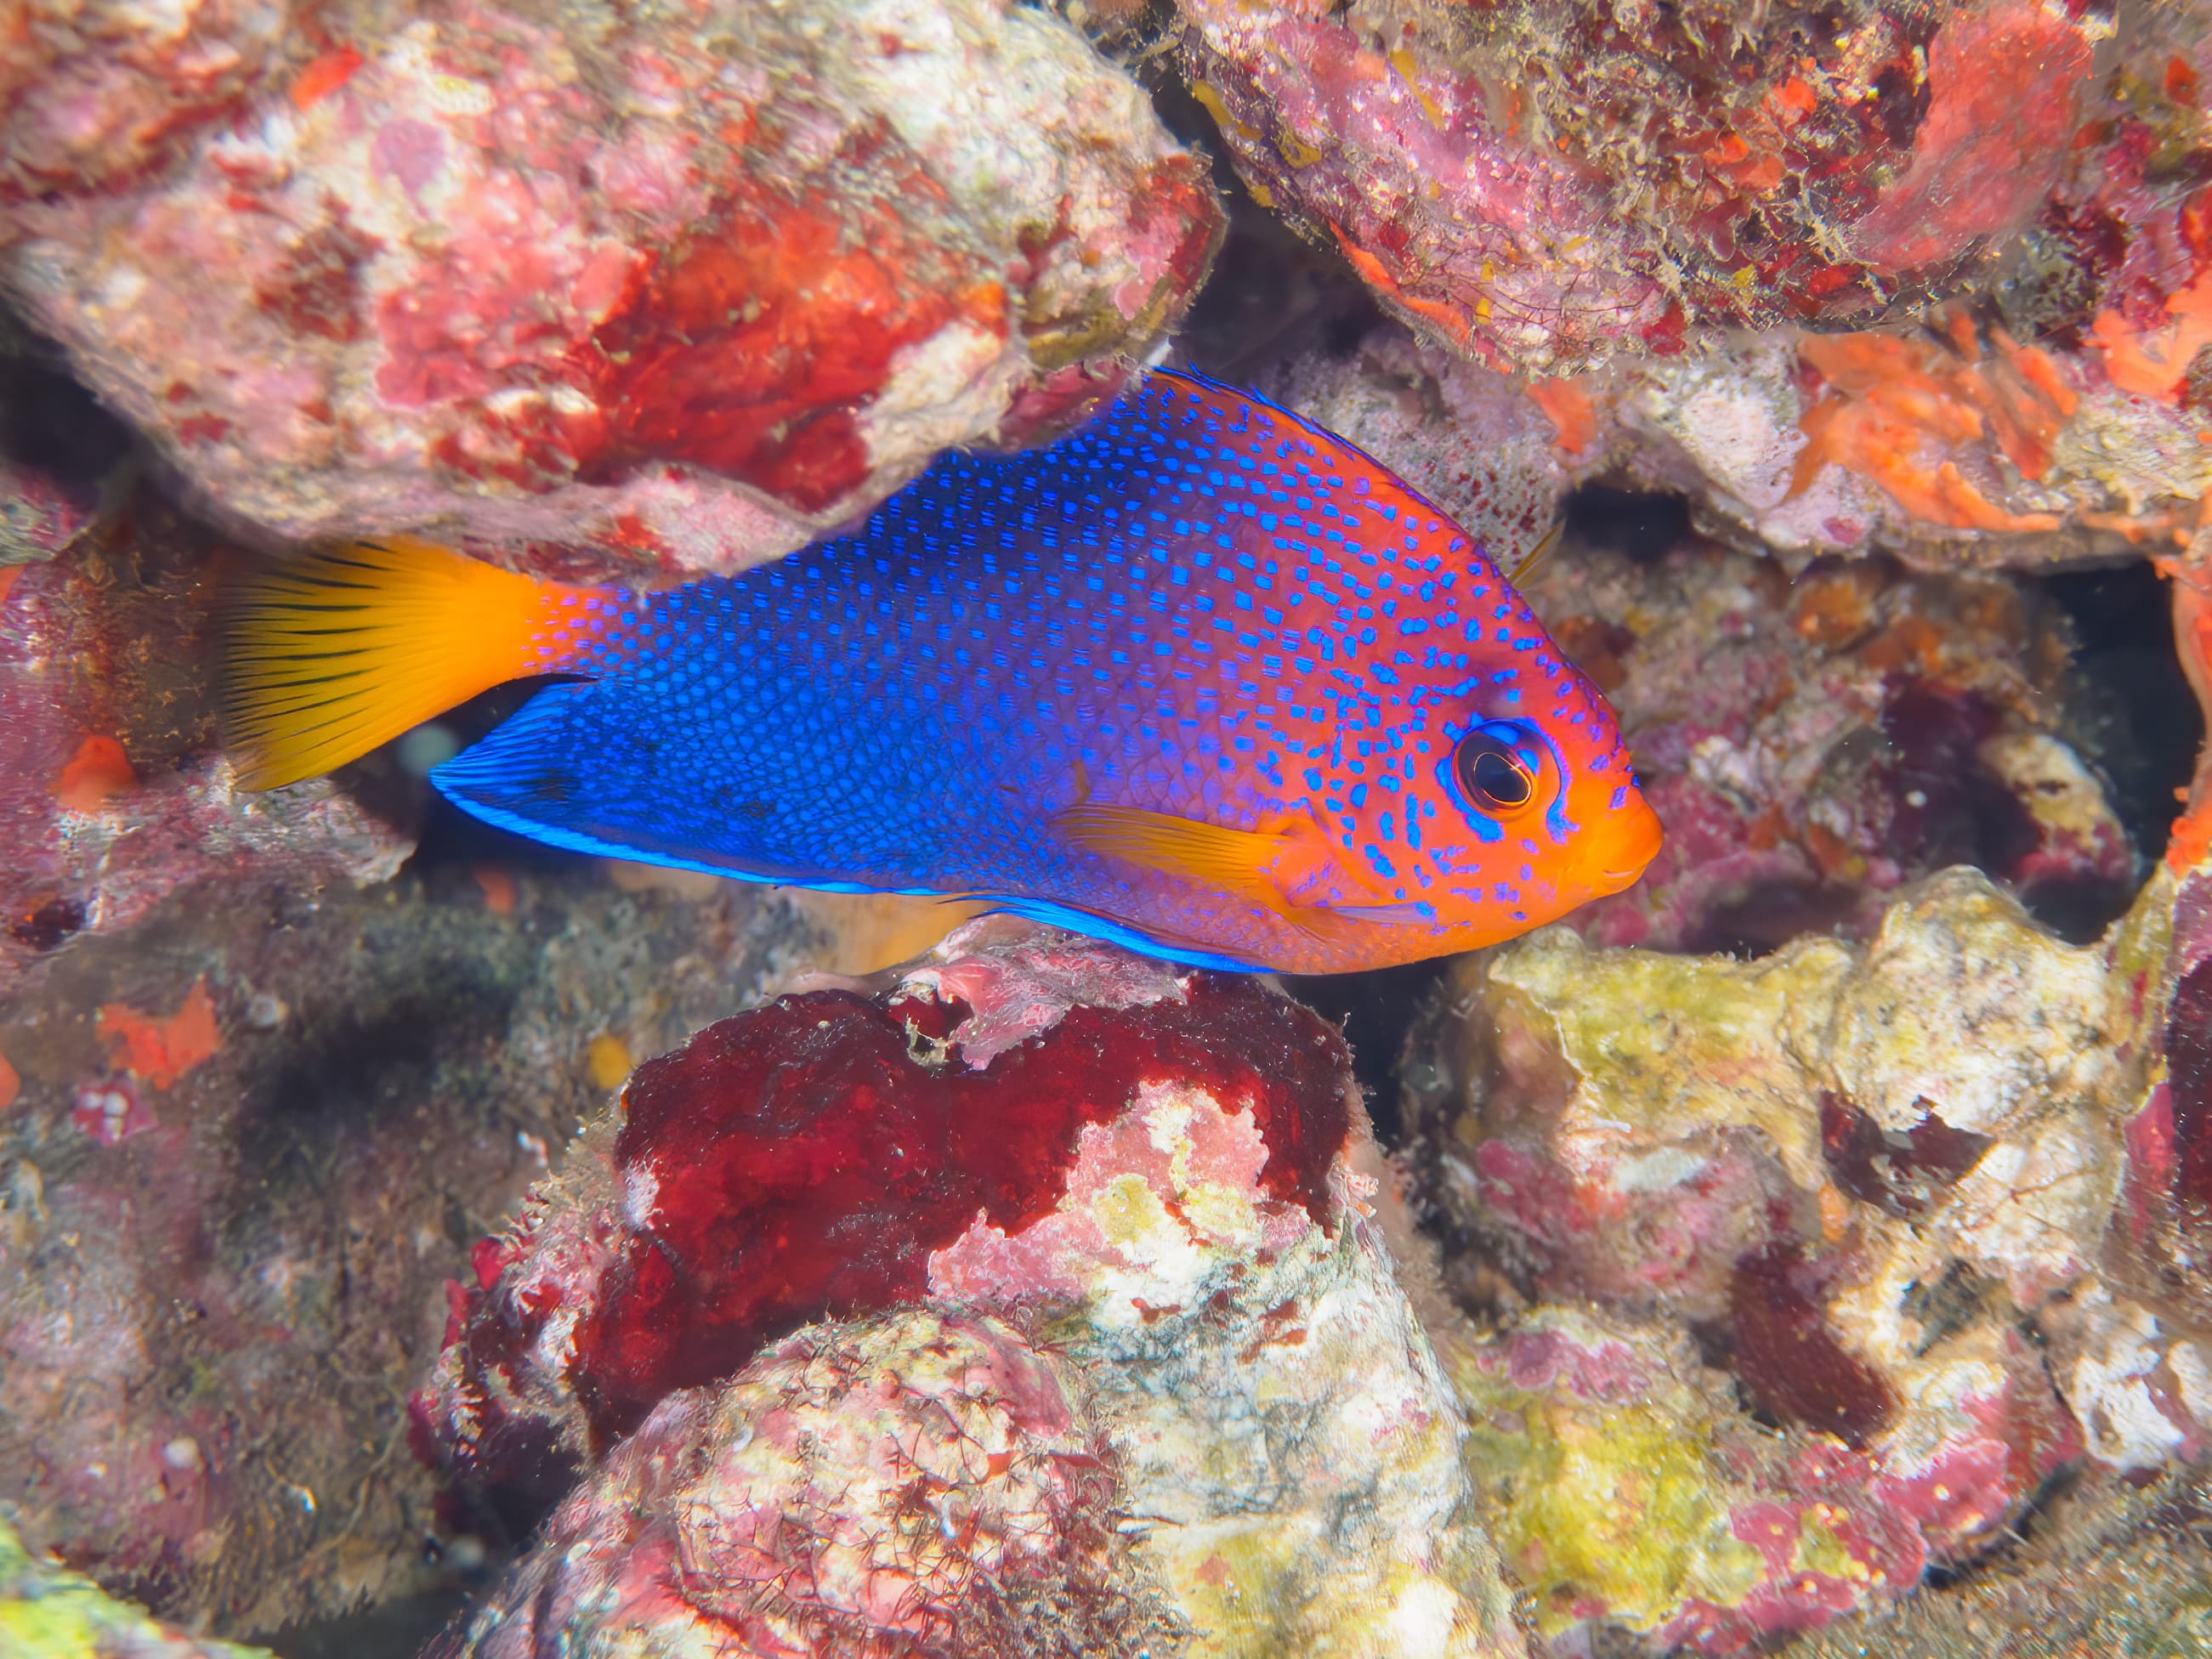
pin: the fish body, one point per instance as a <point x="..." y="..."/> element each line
<point x="1201" y="679"/>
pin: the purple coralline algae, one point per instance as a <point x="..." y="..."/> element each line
<point x="1551" y="183"/>
<point x="649" y="293"/>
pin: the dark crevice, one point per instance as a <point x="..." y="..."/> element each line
<point x="1377" y="1011"/>
<point x="1640" y="524"/>
<point x="48" y="420"/>
<point x="2128" y="708"/>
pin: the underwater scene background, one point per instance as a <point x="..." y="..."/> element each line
<point x="417" y="1238"/>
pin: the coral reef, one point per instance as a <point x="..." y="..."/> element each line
<point x="1882" y="1186"/>
<point x="1034" y="1295"/>
<point x="1621" y="1481"/>
<point x="1950" y="446"/>
<point x="1706" y="167"/>
<point x="1954" y="446"/>
<point x="663" y="292"/>
<point x="1550" y="183"/>
<point x="243" y="1141"/>
<point x="1815" y="1236"/>
<point x="2108" y="1569"/>
<point x="49" y="1614"/>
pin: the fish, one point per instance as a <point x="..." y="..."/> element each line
<point x="1201" y="679"/>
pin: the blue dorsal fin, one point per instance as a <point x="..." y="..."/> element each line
<point x="1314" y="429"/>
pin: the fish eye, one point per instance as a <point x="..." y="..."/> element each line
<point x="1495" y="774"/>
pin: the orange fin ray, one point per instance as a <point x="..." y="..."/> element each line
<point x="332" y="652"/>
<point x="1239" y="861"/>
<point x="1251" y="865"/>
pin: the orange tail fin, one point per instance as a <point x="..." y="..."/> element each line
<point x="330" y="654"/>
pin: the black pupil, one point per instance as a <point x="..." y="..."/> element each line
<point x="1499" y="780"/>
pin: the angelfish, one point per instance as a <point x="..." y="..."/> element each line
<point x="1201" y="679"/>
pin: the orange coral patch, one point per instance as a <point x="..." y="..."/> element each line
<point x="1376" y="276"/>
<point x="1793" y="100"/>
<point x="2180" y="80"/>
<point x="2155" y="363"/>
<point x="8" y="580"/>
<point x="11" y="1085"/>
<point x="498" y="888"/>
<point x="2192" y="590"/>
<point x="98" y="769"/>
<point x="161" y="1050"/>
<point x="2190" y="840"/>
<point x="1569" y="409"/>
<point x="325" y="75"/>
<point x="1896" y="410"/>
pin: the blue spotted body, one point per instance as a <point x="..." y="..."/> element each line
<point x="1201" y="678"/>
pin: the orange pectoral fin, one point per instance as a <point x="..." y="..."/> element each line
<point x="1386" y="915"/>
<point x="1262" y="867"/>
<point x="1237" y="862"/>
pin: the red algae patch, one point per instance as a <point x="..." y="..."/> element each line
<point x="159" y="1050"/>
<point x="98" y="770"/>
<point x="1790" y="1358"/>
<point x="806" y="1161"/>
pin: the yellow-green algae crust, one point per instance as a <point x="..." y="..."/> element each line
<point x="49" y="1614"/>
<point x="1666" y="1040"/>
<point x="1614" y="1503"/>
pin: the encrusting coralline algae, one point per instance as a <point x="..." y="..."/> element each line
<point x="1803" y="1251"/>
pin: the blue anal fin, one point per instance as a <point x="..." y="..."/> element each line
<point x="567" y="771"/>
<point x="1189" y="954"/>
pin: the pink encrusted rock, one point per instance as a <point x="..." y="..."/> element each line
<point x="678" y="289"/>
<point x="244" y="1140"/>
<point x="1626" y="1488"/>
<point x="94" y="93"/>
<point x="922" y="1481"/>
<point x="113" y="793"/>
<point x="1128" y="1224"/>
<point x="1873" y="1181"/>
<point x="1549" y="183"/>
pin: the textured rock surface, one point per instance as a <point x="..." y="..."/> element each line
<point x="242" y="1142"/>
<point x="1623" y="1482"/>
<point x="1129" y="1231"/>
<point x="49" y="1614"/>
<point x="1717" y="168"/>
<point x="1550" y="183"/>
<point x="1883" y="1185"/>
<point x="672" y="288"/>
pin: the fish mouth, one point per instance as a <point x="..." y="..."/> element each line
<point x="1626" y="850"/>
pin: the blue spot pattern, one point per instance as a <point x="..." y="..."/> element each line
<point x="1198" y="605"/>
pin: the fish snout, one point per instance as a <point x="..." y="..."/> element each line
<point x="1621" y="846"/>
